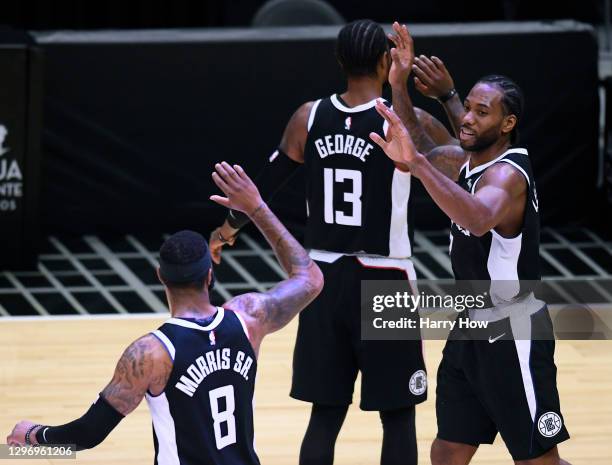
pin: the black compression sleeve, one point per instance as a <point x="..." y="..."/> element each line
<point x="270" y="179"/>
<point x="86" y="432"/>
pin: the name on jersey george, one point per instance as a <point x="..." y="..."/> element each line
<point x="343" y="144"/>
<point x="210" y="362"/>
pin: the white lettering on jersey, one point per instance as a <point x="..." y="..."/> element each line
<point x="343" y="144"/>
<point x="211" y="362"/>
<point x="242" y="366"/>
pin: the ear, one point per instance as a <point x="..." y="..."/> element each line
<point x="209" y="278"/>
<point x="508" y="124"/>
<point x="159" y="275"/>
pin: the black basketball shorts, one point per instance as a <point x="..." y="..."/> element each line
<point x="501" y="385"/>
<point x="329" y="351"/>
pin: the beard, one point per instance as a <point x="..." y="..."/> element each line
<point x="481" y="142"/>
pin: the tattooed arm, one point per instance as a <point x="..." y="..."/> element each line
<point x="448" y="159"/>
<point x="402" y="56"/>
<point x="145" y="364"/>
<point x="434" y="128"/>
<point x="268" y="311"/>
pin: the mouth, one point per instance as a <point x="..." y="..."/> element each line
<point x="466" y="133"/>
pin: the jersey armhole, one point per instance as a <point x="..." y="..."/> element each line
<point x="165" y="342"/>
<point x="516" y="165"/>
<point x="243" y="324"/>
<point x="311" y="117"/>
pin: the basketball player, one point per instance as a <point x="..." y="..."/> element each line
<point x="486" y="187"/>
<point x="197" y="371"/>
<point x="358" y="228"/>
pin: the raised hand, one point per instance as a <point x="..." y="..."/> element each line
<point x="398" y="144"/>
<point x="402" y="55"/>
<point x="237" y="186"/>
<point x="432" y="79"/>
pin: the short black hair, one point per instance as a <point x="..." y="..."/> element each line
<point x="182" y="248"/>
<point x="513" y="100"/>
<point x="359" y="46"/>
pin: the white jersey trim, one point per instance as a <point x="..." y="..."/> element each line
<point x="404" y="264"/>
<point x="166" y="342"/>
<point x="502" y="266"/>
<point x="399" y="239"/>
<point x="364" y="106"/>
<point x="523" y="350"/>
<point x="518" y="168"/>
<point x="386" y="125"/>
<point x="324" y="255"/>
<point x="163" y="424"/>
<point x="480" y="168"/>
<point x="189" y="324"/>
<point x="311" y="117"/>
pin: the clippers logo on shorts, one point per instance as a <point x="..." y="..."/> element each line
<point x="418" y="383"/>
<point x="549" y="424"/>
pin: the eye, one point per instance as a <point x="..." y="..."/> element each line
<point x="482" y="113"/>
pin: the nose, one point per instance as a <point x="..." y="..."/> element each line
<point x="468" y="118"/>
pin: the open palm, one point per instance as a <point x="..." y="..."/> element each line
<point x="397" y="144"/>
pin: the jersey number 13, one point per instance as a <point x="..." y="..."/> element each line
<point x="331" y="177"/>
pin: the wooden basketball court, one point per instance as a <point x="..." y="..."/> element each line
<point x="52" y="369"/>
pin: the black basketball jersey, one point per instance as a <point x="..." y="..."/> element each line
<point x="357" y="201"/>
<point x="491" y="256"/>
<point x="204" y="416"/>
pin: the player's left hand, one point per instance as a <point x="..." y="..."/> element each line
<point x="17" y="436"/>
<point x="402" y="55"/>
<point x="398" y="144"/>
<point x="432" y="79"/>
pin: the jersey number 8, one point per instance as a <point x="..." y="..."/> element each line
<point x="226" y="415"/>
<point x="354" y="197"/>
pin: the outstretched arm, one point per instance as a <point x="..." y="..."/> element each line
<point x="477" y="213"/>
<point x="144" y="365"/>
<point x="402" y="56"/>
<point x="280" y="166"/>
<point x="268" y="311"/>
<point x="433" y="80"/>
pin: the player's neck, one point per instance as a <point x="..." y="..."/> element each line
<point x="191" y="305"/>
<point x="361" y="90"/>
<point x="488" y="154"/>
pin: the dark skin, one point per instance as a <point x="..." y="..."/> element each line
<point x="146" y="365"/>
<point x="432" y="79"/>
<point x="498" y="202"/>
<point x="394" y="67"/>
<point x="499" y="199"/>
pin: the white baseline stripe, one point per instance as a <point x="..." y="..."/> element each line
<point x="103" y="316"/>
